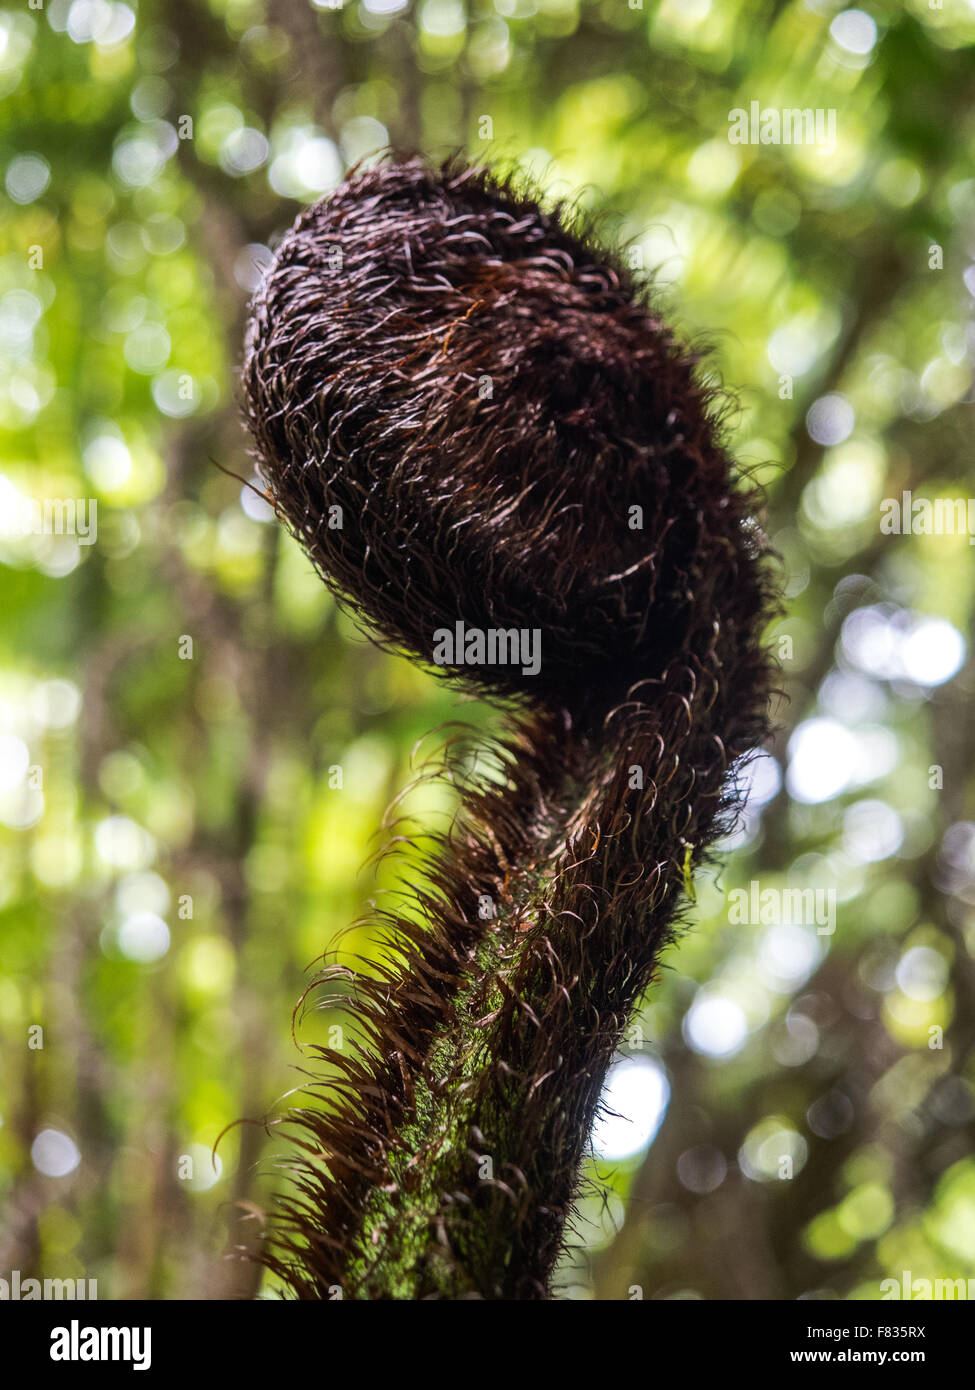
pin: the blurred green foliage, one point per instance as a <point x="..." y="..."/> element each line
<point x="196" y="748"/>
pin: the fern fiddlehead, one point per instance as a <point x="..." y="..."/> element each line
<point x="517" y="443"/>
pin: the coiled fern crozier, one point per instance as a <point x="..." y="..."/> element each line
<point x="511" y="439"/>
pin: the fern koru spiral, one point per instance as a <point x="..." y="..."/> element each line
<point x="515" y="441"/>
